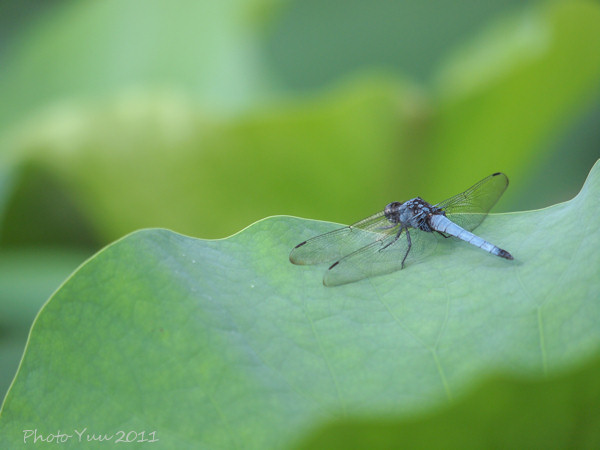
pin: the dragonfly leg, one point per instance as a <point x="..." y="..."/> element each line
<point x="445" y="235"/>
<point x="394" y="240"/>
<point x="408" y="249"/>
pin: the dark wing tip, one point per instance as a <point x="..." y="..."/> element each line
<point x="498" y="174"/>
<point x="293" y="259"/>
<point x="327" y="283"/>
<point x="300" y="244"/>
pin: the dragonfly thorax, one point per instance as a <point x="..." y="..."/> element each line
<point x="413" y="213"/>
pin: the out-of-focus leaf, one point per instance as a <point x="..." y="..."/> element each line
<point x="510" y="91"/>
<point x="7" y="180"/>
<point x="350" y="35"/>
<point x="225" y="344"/>
<point x="39" y="211"/>
<point x="505" y="412"/>
<point x="157" y="161"/>
<point x="89" y="49"/>
<point x="152" y="160"/>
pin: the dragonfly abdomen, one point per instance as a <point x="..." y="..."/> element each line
<point x="444" y="225"/>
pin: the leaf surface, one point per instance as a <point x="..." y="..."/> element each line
<point x="226" y="344"/>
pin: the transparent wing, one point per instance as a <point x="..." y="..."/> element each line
<point x="334" y="245"/>
<point x="469" y="208"/>
<point x="380" y="257"/>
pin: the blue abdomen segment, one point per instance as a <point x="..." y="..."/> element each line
<point x="444" y="225"/>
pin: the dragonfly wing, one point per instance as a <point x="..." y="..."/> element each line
<point x="469" y="208"/>
<point x="380" y="257"/>
<point x="334" y="245"/>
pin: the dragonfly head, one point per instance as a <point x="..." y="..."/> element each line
<point x="392" y="211"/>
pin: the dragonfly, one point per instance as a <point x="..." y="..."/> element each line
<point x="402" y="234"/>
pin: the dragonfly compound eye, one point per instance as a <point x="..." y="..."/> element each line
<point x="392" y="208"/>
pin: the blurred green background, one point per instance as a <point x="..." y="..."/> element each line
<point x="204" y="116"/>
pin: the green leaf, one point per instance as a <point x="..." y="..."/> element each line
<point x="140" y="161"/>
<point x="81" y="50"/>
<point x="147" y="158"/>
<point x="505" y="412"/>
<point x="29" y="277"/>
<point x="226" y="344"/>
<point x="510" y="91"/>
